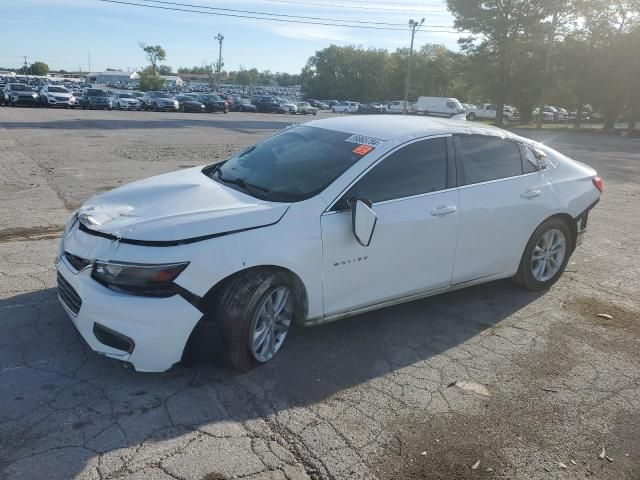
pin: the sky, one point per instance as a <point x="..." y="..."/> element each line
<point x="66" y="33"/>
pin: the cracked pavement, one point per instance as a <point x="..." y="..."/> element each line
<point x="531" y="385"/>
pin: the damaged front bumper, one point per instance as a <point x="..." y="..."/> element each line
<point x="150" y="333"/>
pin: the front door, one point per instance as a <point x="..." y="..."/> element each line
<point x="413" y="245"/>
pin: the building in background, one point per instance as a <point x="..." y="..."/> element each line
<point x="172" y="81"/>
<point x="112" y="76"/>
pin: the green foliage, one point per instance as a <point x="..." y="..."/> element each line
<point x="150" y="80"/>
<point x="165" y="70"/>
<point x="39" y="68"/>
<point x="154" y="54"/>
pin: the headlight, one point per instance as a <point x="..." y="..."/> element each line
<point x="155" y="280"/>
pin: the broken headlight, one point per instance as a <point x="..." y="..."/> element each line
<point x="154" y="280"/>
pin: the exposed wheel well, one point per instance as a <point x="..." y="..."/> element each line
<point x="302" y="303"/>
<point x="205" y="337"/>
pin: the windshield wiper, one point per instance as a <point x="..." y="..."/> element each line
<point x="249" y="187"/>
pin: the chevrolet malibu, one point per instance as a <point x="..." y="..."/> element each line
<point x="321" y="221"/>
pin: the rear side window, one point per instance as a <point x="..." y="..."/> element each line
<point x="420" y="167"/>
<point x="485" y="159"/>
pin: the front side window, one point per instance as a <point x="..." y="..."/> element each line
<point x="292" y="166"/>
<point x="486" y="158"/>
<point x="420" y="167"/>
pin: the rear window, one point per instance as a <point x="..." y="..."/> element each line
<point x="96" y="93"/>
<point x="486" y="158"/>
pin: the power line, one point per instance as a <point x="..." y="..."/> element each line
<point x="251" y="12"/>
<point x="359" y="7"/>
<point x="282" y="20"/>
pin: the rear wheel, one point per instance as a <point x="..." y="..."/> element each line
<point x="545" y="256"/>
<point x="255" y="312"/>
<point x="471" y="116"/>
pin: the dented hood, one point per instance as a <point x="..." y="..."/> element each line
<point x="175" y="207"/>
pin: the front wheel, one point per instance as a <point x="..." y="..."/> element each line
<point x="545" y="256"/>
<point x="255" y="312"/>
<point x="471" y="116"/>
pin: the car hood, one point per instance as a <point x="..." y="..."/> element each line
<point x="175" y="208"/>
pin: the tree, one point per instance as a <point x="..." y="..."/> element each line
<point x="155" y="54"/>
<point x="39" y="68"/>
<point x="150" y="80"/>
<point x="165" y="70"/>
<point x="495" y="28"/>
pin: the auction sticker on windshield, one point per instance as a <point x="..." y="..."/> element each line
<point x="364" y="140"/>
<point x="362" y="150"/>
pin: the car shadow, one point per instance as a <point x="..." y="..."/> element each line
<point x="61" y="399"/>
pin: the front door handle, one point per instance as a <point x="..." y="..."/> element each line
<point x="531" y="193"/>
<point x="441" y="211"/>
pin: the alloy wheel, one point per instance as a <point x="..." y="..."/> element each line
<point x="548" y="255"/>
<point x="271" y="323"/>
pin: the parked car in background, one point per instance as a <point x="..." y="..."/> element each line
<point x="212" y="103"/>
<point x="563" y="115"/>
<point x="549" y="114"/>
<point x="188" y="103"/>
<point x="370" y="108"/>
<point x="305" y="108"/>
<point x="446" y="107"/>
<point x="126" y="101"/>
<point x="56" y="96"/>
<point x="345" y="107"/>
<point x="320" y="105"/>
<point x="157" y="100"/>
<point x="258" y="244"/>
<point x="287" y="106"/>
<point x="16" y="94"/>
<point x="243" y="105"/>
<point x="95" y="98"/>
<point x="488" y="111"/>
<point x="397" y="106"/>
<point x="266" y="104"/>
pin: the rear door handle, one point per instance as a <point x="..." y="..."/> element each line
<point x="441" y="211"/>
<point x="531" y="193"/>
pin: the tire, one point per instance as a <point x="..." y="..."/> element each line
<point x="237" y="313"/>
<point x="155" y="107"/>
<point x="528" y="276"/>
<point x="471" y="116"/>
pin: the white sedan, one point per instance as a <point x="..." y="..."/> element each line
<point x="322" y="221"/>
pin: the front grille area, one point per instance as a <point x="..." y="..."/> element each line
<point x="76" y="262"/>
<point x="68" y="295"/>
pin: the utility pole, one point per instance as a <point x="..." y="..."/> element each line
<point x="547" y="67"/>
<point x="413" y="25"/>
<point x="24" y="68"/>
<point x="220" y="38"/>
<point x="89" y="58"/>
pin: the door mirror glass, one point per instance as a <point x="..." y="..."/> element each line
<point x="364" y="221"/>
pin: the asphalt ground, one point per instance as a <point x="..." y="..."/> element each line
<point x="530" y="385"/>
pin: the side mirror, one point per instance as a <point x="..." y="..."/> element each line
<point x="363" y="220"/>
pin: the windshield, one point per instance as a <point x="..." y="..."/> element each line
<point x="211" y="98"/>
<point x="58" y="90"/>
<point x="125" y="95"/>
<point x="292" y="166"/>
<point x="96" y="93"/>
<point x="20" y="88"/>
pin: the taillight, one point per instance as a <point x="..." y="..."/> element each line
<point x="599" y="184"/>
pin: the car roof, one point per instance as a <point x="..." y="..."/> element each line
<point x="399" y="127"/>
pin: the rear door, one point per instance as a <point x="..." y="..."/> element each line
<point x="503" y="198"/>
<point x="413" y="194"/>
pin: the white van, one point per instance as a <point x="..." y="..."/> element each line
<point x="439" y="107"/>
